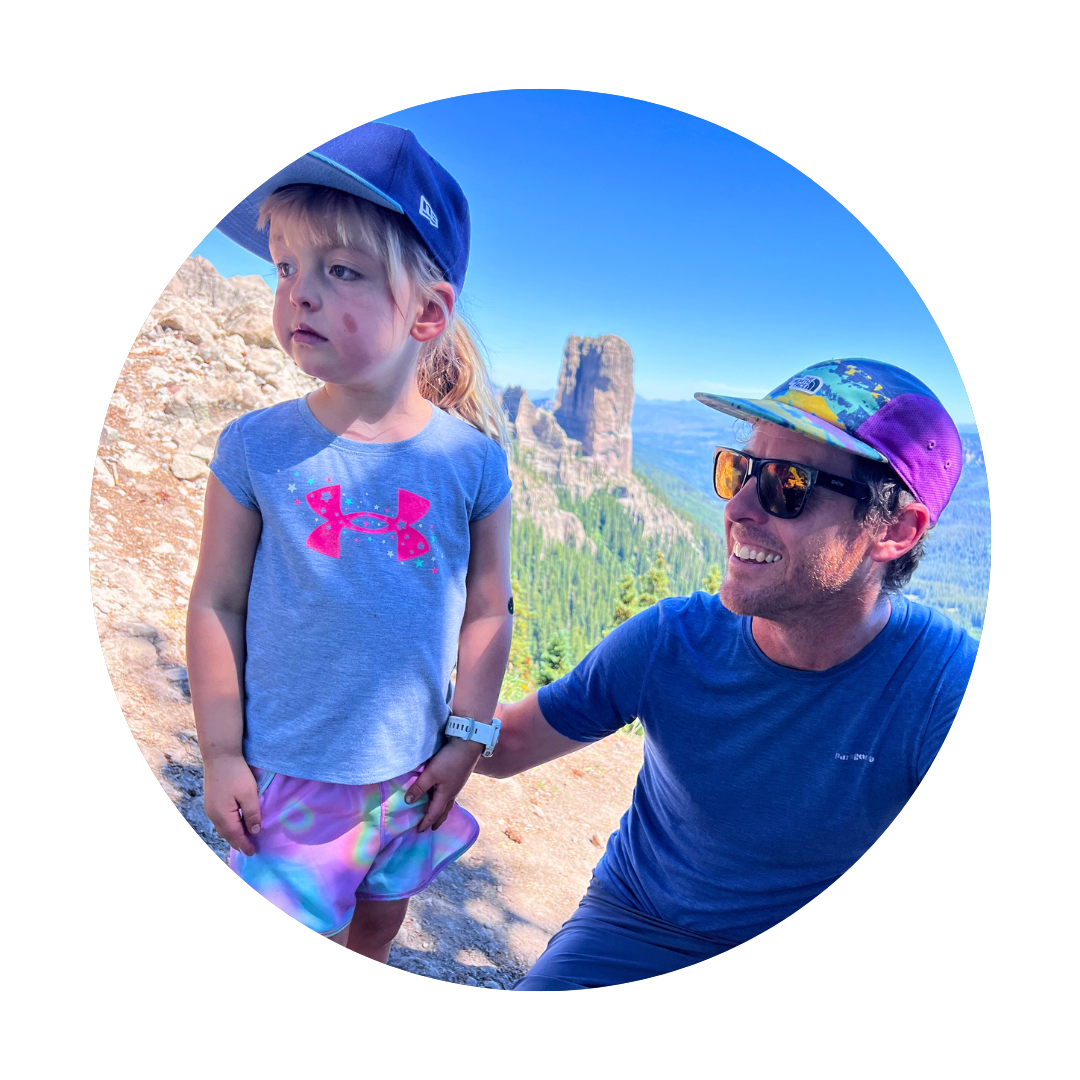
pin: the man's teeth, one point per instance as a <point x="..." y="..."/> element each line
<point x="749" y="554"/>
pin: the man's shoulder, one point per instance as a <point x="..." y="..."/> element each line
<point x="940" y="648"/>
<point x="680" y="628"/>
<point x="697" y="612"/>
<point x="930" y="629"/>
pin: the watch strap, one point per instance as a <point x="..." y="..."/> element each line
<point x="465" y="727"/>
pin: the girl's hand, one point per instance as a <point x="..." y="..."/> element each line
<point x="231" y="798"/>
<point x="444" y="776"/>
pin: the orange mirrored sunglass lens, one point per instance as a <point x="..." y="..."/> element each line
<point x="784" y="487"/>
<point x="730" y="474"/>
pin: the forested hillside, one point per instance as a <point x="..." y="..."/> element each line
<point x="576" y="590"/>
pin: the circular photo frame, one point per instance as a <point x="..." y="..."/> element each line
<point x="621" y="259"/>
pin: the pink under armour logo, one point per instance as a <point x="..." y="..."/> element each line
<point x="326" y="538"/>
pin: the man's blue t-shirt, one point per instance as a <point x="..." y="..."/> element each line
<point x="761" y="784"/>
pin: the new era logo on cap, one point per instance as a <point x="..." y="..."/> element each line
<point x="427" y="212"/>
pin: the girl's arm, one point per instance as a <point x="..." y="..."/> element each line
<point x="217" y="613"/>
<point x="483" y="649"/>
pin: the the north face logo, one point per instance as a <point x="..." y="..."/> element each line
<point x="427" y="212"/>
<point x="809" y="384"/>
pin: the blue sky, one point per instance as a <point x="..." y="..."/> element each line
<point x="725" y="268"/>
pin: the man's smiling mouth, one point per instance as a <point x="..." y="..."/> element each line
<point x="745" y="553"/>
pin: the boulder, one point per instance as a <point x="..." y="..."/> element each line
<point x="135" y="462"/>
<point x="254" y="323"/>
<point x="198" y="280"/>
<point x="187" y="467"/>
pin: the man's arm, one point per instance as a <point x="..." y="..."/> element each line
<point x="601" y="695"/>
<point x="526" y="739"/>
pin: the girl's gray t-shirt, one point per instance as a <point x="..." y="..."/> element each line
<point x="358" y="587"/>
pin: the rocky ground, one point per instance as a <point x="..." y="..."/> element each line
<point x="205" y="354"/>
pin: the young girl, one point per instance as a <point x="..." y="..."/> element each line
<point x="355" y="547"/>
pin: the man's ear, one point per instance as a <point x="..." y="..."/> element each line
<point x="902" y="535"/>
<point x="431" y="321"/>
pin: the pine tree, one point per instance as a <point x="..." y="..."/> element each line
<point x="712" y="580"/>
<point x="628" y="601"/>
<point x="654" y="582"/>
<point x="555" y="659"/>
<point x="521" y="673"/>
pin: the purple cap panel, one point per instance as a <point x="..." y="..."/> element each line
<point x="920" y="441"/>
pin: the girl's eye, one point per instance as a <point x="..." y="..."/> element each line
<point x="344" y="273"/>
<point x="284" y="269"/>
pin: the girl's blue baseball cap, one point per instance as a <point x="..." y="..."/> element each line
<point x="387" y="166"/>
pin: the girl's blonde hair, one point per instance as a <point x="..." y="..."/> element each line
<point x="451" y="372"/>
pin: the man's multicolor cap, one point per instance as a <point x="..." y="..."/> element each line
<point x="869" y="409"/>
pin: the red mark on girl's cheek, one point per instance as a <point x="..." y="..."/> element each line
<point x="350" y="323"/>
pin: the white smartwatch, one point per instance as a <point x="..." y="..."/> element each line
<point x="465" y="727"/>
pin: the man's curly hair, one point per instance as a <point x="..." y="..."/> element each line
<point x="888" y="497"/>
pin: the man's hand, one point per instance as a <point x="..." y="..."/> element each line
<point x="444" y="776"/>
<point x="231" y="798"/>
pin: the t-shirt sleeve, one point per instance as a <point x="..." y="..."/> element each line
<point x="230" y="466"/>
<point x="494" y="481"/>
<point x="951" y="691"/>
<point x="603" y="693"/>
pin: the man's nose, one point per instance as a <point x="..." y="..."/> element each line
<point x="744" y="504"/>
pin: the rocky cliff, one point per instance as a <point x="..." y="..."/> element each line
<point x="205" y="354"/>
<point x="582" y="444"/>
<point x="596" y="399"/>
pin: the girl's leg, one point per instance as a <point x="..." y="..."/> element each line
<point x="373" y="926"/>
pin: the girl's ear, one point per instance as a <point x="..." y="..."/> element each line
<point x="902" y="535"/>
<point x="431" y="321"/>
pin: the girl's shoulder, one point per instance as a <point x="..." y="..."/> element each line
<point x="460" y="436"/>
<point x="283" y="415"/>
<point x="478" y="461"/>
<point x="450" y="426"/>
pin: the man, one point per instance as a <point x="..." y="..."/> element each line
<point x="787" y="720"/>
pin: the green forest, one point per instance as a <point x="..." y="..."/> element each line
<point x="566" y="598"/>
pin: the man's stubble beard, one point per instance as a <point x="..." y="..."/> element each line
<point x="824" y="583"/>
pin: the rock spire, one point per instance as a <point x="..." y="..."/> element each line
<point x="596" y="399"/>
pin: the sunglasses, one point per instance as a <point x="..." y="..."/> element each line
<point x="782" y="486"/>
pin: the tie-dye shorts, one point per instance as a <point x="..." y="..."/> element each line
<point x="323" y="846"/>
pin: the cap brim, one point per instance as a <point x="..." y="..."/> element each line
<point x="239" y="225"/>
<point x="797" y="420"/>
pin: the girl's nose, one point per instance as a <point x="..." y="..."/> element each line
<point x="303" y="292"/>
